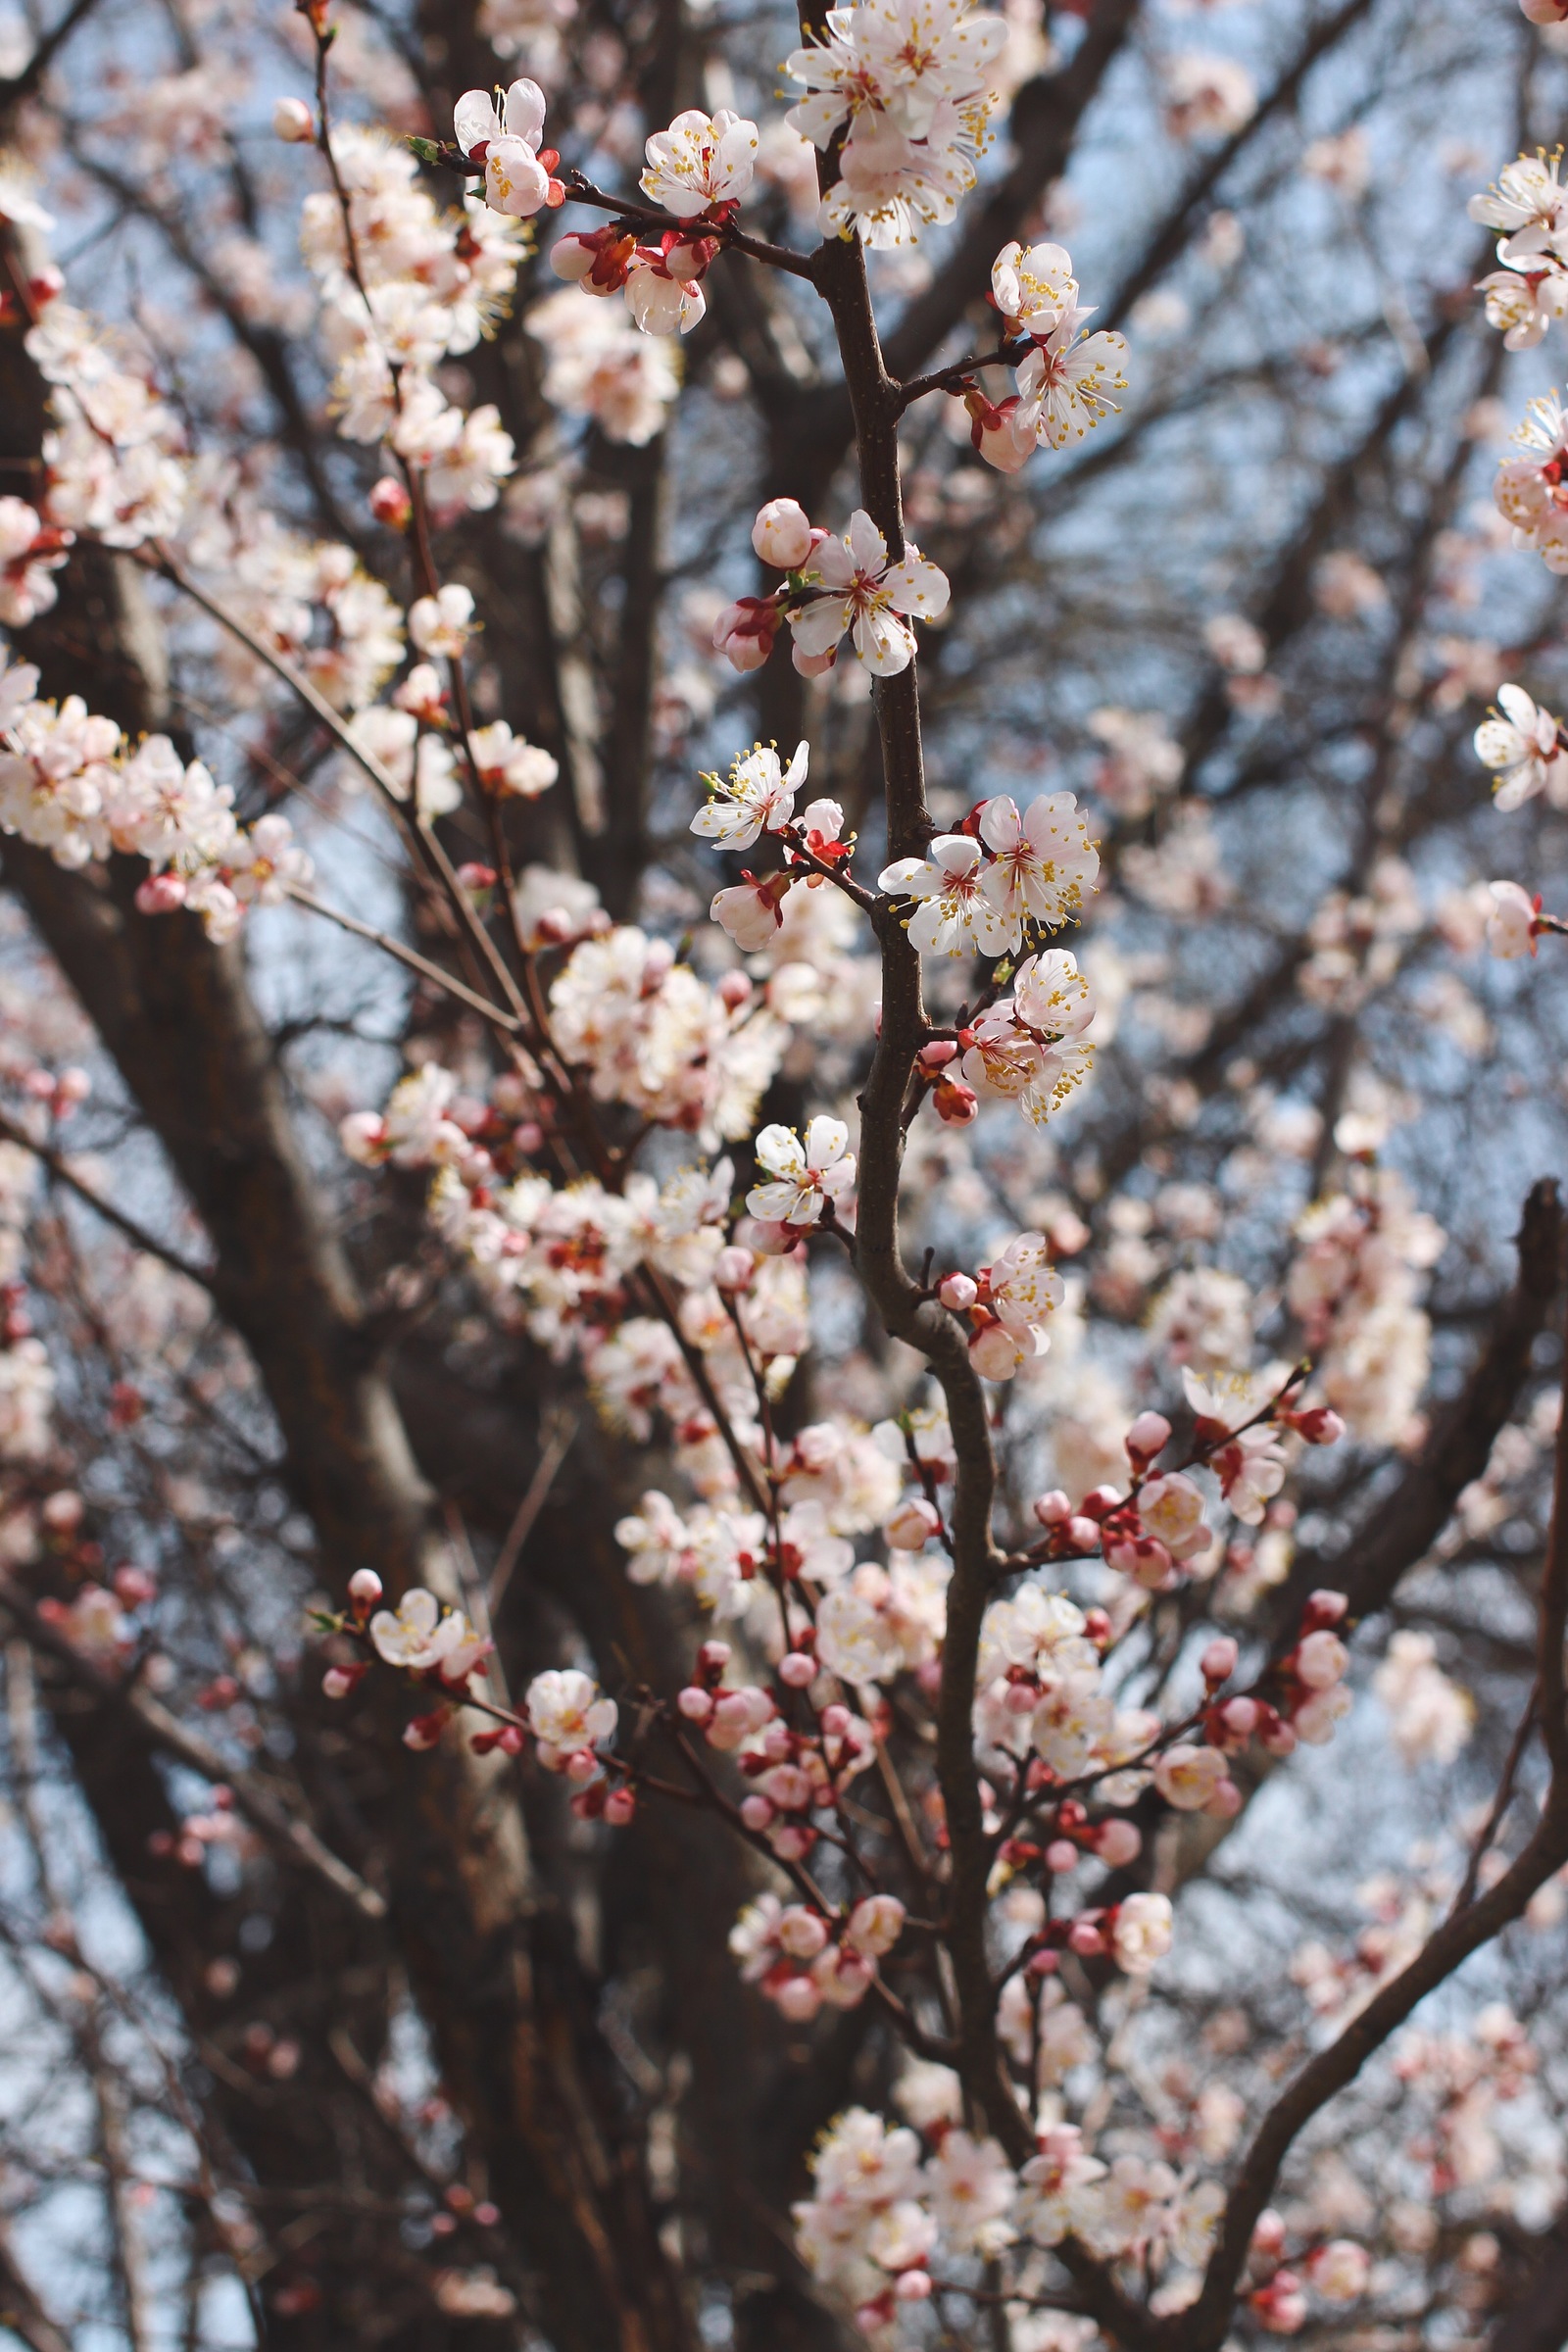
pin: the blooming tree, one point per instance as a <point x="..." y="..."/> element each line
<point x="814" y="1601"/>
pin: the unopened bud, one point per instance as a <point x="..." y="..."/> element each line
<point x="734" y="990"/>
<point x="733" y="1269"/>
<point x="1218" y="1661"/>
<point x="1118" y="1842"/>
<point x="619" y="1806"/>
<point x="1148" y="1435"/>
<point x="1062" y="1854"/>
<point x="390" y="503"/>
<point x="782" y="534"/>
<point x="365" y="1588"/>
<point x="696" y="1705"/>
<point x="1052" y="1509"/>
<point x="293" y="120"/>
<point x="796" y="1670"/>
<point x="957" y="1291"/>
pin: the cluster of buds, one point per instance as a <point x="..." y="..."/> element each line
<point x="1070" y="1835"/>
<point x="802" y="1961"/>
<point x="793" y="1773"/>
<point x="1337" y="2269"/>
<point x="219" y="1824"/>
<point x="661" y="284"/>
<point x="1134" y="1933"/>
<point x="1311" y="1678"/>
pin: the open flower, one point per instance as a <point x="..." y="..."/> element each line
<point x="760" y="796"/>
<point x="700" y="161"/>
<point x="866" y="595"/>
<point x="1045" y="859"/>
<point x="1033" y="287"/>
<point x="955" y="911"/>
<point x="566" y="1715"/>
<point x="504" y="142"/>
<point x="1511" y="924"/>
<point x="822" y="1168"/>
<point x="418" y="1636"/>
<point x="1521" y="749"/>
<point x="1065" y="384"/>
<point x="508" y="764"/>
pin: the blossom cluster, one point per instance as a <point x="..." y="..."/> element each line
<point x="405" y="285"/>
<point x="71" y="784"/>
<point x="698" y="169"/>
<point x="1353" y="1284"/>
<point x="1065" y="378"/>
<point x="905" y="82"/>
<point x="835" y="585"/>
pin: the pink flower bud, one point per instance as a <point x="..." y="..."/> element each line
<point x="910" y="1527"/>
<point x="1318" y="1425"/>
<point x="1148" y="1435"/>
<point x="734" y="991"/>
<point x="936" y="1056"/>
<point x="1086" y="1938"/>
<point x="337" y="1682"/>
<point x="836" y="1721"/>
<point x="1082" y="1535"/>
<point x="365" y="1588"/>
<point x="782" y="534"/>
<point x="799" y="1998"/>
<point x="1268" y="2234"/>
<point x="390" y="503"/>
<point x="1240" y="1717"/>
<point x="1218" y="1661"/>
<point x="803" y="1934"/>
<point x="1321" y="1660"/>
<point x="713" y="1657"/>
<point x="1099" y="1502"/>
<point x="1022" y="1698"/>
<point x="1324" y="1607"/>
<point x="756" y="1812"/>
<point x="744" y="631"/>
<point x="1226" y="1802"/>
<point x="582" y="1766"/>
<point x="912" y="2286"/>
<point x="1279" y="1739"/>
<point x="797" y="1670"/>
<point x="1052" y="1509"/>
<point x="1118" y="1842"/>
<point x="731" y="1721"/>
<point x="957" y="1291"/>
<point x="293" y="120"/>
<point x="620" y="1808"/>
<point x="793" y="1840"/>
<point x="1044" y="1964"/>
<point x="696" y="1705"/>
<point x="733" y="1269"/>
<point x="1062" y="1854"/>
<point x="159" y="894"/>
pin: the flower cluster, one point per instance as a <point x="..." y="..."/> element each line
<point x="802" y="1960"/>
<point x="1007" y="1305"/>
<point x="905" y="80"/>
<point x="1004" y="877"/>
<point x="1065" y="378"/>
<point x="403" y="285"/>
<point x="1354" y="1285"/>
<point x="1529" y="205"/>
<point x="69" y="784"/>
<point x="834" y="585"/>
<point x="698" y="169"/>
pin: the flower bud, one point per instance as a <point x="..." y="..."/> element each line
<point x="337" y="1682"/>
<point x="1099" y="1502"/>
<point x="803" y="1934"/>
<point x="696" y="1705"/>
<point x="1218" y="1661"/>
<point x="1225" y="1802"/>
<point x="582" y="1767"/>
<point x="1080" y="1534"/>
<point x="159" y="894"/>
<point x="1148" y="1435"/>
<point x="1062" y="1854"/>
<point x="1318" y="1425"/>
<point x="1321" y="1660"/>
<point x="798" y="1999"/>
<point x="713" y="1657"/>
<point x="910" y="1527"/>
<point x="836" y="1721"/>
<point x="1268" y="2234"/>
<point x="1084" y="1938"/>
<point x="1052" y="1509"/>
<point x="912" y="2286"/>
<point x="1240" y="1717"/>
<point x="365" y="1588"/>
<point x="733" y="1269"/>
<point x="796" y="1670"/>
<point x="390" y="503"/>
<point x="620" y="1808"/>
<point x="1118" y="1842"/>
<point x="957" y="1291"/>
<point x="1324" y="1607"/>
<point x="936" y="1056"/>
<point x="955" y="1103"/>
<point x="782" y="534"/>
<point x="756" y="1812"/>
<point x="734" y="991"/>
<point x="293" y="120"/>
